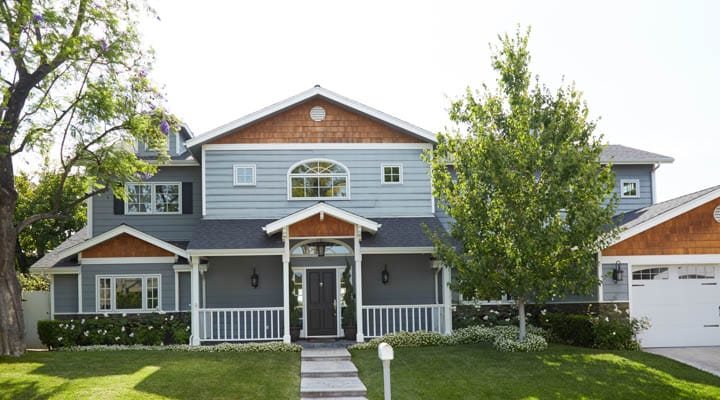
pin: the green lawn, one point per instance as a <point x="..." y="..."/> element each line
<point x="561" y="372"/>
<point x="150" y="375"/>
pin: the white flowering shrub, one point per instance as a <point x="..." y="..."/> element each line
<point x="223" y="347"/>
<point x="510" y="343"/>
<point x="473" y="334"/>
<point x="405" y="339"/>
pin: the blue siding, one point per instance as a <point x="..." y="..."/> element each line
<point x="614" y="291"/>
<point x="412" y="279"/>
<point x="167" y="281"/>
<point x="165" y="227"/>
<point x="268" y="199"/>
<point x="228" y="282"/>
<point x="65" y="293"/>
<point x="643" y="174"/>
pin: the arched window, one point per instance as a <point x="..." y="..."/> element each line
<point x="321" y="248"/>
<point x="318" y="179"/>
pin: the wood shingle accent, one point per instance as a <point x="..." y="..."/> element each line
<point x="694" y="232"/>
<point x="328" y="227"/>
<point x="295" y="126"/>
<point x="125" y="245"/>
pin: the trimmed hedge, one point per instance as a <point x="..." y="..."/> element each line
<point x="572" y="329"/>
<point x="613" y="330"/>
<point x="143" y="329"/>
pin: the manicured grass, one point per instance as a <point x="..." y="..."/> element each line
<point x="561" y="372"/>
<point x="150" y="375"/>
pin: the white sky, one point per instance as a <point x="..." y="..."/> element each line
<point x="648" y="69"/>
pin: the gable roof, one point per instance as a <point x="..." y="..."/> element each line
<point x="235" y="234"/>
<point x="316" y="91"/>
<point x="619" y="154"/>
<point x="638" y="221"/>
<point x="277" y="225"/>
<point x="119" y="230"/>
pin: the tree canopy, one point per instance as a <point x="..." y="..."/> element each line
<point x="76" y="89"/>
<point x="531" y="204"/>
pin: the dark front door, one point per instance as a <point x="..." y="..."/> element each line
<point x="322" y="319"/>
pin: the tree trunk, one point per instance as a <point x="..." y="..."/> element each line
<point x="12" y="326"/>
<point x="521" y="319"/>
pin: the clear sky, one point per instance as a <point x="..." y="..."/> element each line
<point x="648" y="69"/>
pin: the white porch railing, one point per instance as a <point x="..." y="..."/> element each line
<point x="241" y="324"/>
<point x="381" y="320"/>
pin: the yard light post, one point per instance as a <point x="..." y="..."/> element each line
<point x="386" y="354"/>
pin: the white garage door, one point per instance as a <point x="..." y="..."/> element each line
<point x="682" y="303"/>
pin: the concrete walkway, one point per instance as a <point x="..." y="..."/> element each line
<point x="703" y="358"/>
<point x="329" y="373"/>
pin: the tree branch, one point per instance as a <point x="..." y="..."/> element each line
<point x="56" y="213"/>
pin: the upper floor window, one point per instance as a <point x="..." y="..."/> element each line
<point x="318" y="180"/>
<point x="153" y="198"/>
<point x="392" y="174"/>
<point x="244" y="175"/>
<point x="629" y="188"/>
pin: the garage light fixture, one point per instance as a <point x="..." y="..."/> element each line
<point x="617" y="273"/>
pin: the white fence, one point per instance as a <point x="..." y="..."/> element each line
<point x="241" y="324"/>
<point x="381" y="320"/>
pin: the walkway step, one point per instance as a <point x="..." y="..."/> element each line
<point x="326" y="369"/>
<point x="325" y="354"/>
<point x="332" y="387"/>
<point x="340" y="398"/>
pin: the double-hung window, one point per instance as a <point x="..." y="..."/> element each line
<point x="154" y="198"/>
<point x="128" y="293"/>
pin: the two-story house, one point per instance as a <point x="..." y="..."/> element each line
<point x="285" y="198"/>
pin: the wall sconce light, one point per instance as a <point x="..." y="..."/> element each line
<point x="617" y="273"/>
<point x="254" y="279"/>
<point x="320" y="248"/>
<point x="385" y="276"/>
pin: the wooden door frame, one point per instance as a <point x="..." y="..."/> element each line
<point x="338" y="278"/>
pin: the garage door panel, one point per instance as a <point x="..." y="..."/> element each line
<point x="681" y="303"/>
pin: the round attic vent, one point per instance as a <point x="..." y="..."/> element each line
<point x="317" y="113"/>
<point x="716" y="214"/>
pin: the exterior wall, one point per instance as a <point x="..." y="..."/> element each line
<point x="643" y="174"/>
<point x="694" y="232"/>
<point x="412" y="279"/>
<point x="125" y="245"/>
<point x="184" y="301"/>
<point x="89" y="272"/>
<point x="66" y="293"/>
<point x="613" y="291"/>
<point x="269" y="198"/>
<point x="339" y="126"/>
<point x="327" y="227"/>
<point x="228" y="282"/>
<point x="165" y="227"/>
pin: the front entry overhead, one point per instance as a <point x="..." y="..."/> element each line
<point x="681" y="301"/>
<point x="322" y="302"/>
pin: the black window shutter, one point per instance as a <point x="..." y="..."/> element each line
<point x="187" y="198"/>
<point x="118" y="206"/>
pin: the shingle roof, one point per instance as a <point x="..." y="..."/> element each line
<point x="50" y="259"/>
<point x="402" y="232"/>
<point x="637" y="217"/>
<point x="620" y="154"/>
<point x="233" y="234"/>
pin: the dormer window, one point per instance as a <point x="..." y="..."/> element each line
<point x="318" y="179"/>
<point x="630" y="188"/>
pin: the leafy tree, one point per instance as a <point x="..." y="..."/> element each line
<point x="34" y="198"/>
<point x="528" y="195"/>
<point x="75" y="88"/>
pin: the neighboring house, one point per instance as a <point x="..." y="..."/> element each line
<point x="286" y="197"/>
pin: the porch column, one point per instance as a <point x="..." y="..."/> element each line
<point x="195" y="301"/>
<point x="447" y="300"/>
<point x="286" y="285"/>
<point x="360" y="337"/>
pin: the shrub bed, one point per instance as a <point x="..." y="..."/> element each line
<point x="223" y="347"/>
<point x="143" y="329"/>
<point x="610" y="330"/>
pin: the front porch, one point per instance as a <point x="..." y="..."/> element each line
<point x="303" y="280"/>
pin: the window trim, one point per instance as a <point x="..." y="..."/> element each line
<point x="290" y="175"/>
<point x="327" y="240"/>
<point x="637" y="186"/>
<point x="382" y="173"/>
<point x="152" y="198"/>
<point x="113" y="306"/>
<point x="236" y="167"/>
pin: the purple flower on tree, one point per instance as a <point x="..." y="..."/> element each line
<point x="13" y="51"/>
<point x="104" y="45"/>
<point x="165" y="127"/>
<point x="37" y="18"/>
